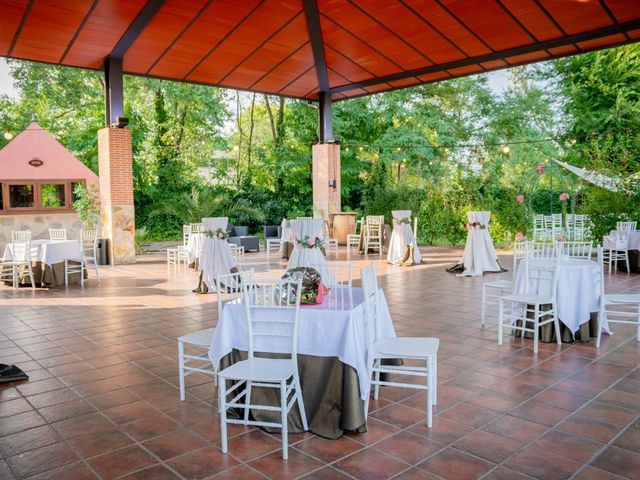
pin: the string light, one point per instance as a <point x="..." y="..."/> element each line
<point x="505" y="149"/>
<point x="236" y="148"/>
<point x="446" y="149"/>
<point x="398" y="149"/>
<point x="8" y="135"/>
<point x="573" y="141"/>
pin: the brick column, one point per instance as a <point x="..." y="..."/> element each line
<point x="116" y="193"/>
<point x="326" y="170"/>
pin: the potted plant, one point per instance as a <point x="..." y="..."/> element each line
<point x="87" y="205"/>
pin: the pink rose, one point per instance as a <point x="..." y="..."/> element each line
<point x="520" y="198"/>
<point x="540" y="169"/>
<point x="519" y="237"/>
<point x="564" y="196"/>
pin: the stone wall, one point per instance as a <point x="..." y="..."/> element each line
<point x="39" y="224"/>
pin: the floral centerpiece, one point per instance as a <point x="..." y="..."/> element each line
<point x="308" y="243"/>
<point x="313" y="290"/>
<point x="401" y="221"/>
<point x="475" y="226"/>
<point x="219" y="233"/>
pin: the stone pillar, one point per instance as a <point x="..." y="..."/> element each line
<point x="116" y="194"/>
<point x="326" y="179"/>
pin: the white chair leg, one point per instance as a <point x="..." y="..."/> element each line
<point x="536" y="328"/>
<point x="181" y="368"/>
<point x="66" y="272"/>
<point x="95" y="266"/>
<point x="33" y="283"/>
<point x="283" y="415"/>
<point x="429" y="392"/>
<point x="376" y="376"/>
<point x="222" y="394"/>
<point x="626" y="259"/>
<point x="601" y="317"/>
<point x="303" y="413"/>
<point x="556" y="324"/>
<point x="435" y="379"/>
<point x="82" y="273"/>
<point x="610" y="260"/>
<point x="247" y="400"/>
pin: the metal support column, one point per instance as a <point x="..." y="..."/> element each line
<point x="113" y="90"/>
<point x="325" y="120"/>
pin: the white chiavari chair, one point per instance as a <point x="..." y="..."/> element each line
<point x="57" y="234"/>
<point x="626" y="226"/>
<point x="526" y="308"/>
<point x="229" y="287"/>
<point x="397" y="348"/>
<point x="11" y="269"/>
<point x="373" y="233"/>
<point x="262" y="303"/>
<point x="623" y="307"/>
<point x="576" y="249"/>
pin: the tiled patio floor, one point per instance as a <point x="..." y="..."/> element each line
<point x="102" y="401"/>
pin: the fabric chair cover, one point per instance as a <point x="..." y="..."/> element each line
<point x="403" y="248"/>
<point x="479" y="252"/>
<point x="216" y="255"/>
<point x="301" y="256"/>
<point x="617" y="240"/>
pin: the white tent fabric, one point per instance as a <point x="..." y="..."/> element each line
<point x="598" y="179"/>
<point x="401" y="238"/>
<point x="216" y="256"/>
<point x="301" y="256"/>
<point x="479" y="252"/>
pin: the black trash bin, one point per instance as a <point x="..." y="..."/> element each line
<point x="102" y="253"/>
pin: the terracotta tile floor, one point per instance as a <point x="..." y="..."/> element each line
<point x="102" y="401"/>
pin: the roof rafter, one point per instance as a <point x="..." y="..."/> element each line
<point x="136" y="28"/>
<point x="315" y="36"/>
<point x="535" y="47"/>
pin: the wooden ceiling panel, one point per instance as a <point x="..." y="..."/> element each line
<point x="623" y="10"/>
<point x="302" y="85"/>
<point x="578" y="16"/>
<point x="599" y="42"/>
<point x="490" y="22"/>
<point x="454" y="72"/>
<point x="405" y="82"/>
<point x="344" y="66"/>
<point x="430" y="77"/>
<point x="265" y="22"/>
<point x="49" y="29"/>
<point x="295" y="66"/>
<point x="359" y="52"/>
<point x="560" y="51"/>
<point x="102" y="31"/>
<point x="10" y="19"/>
<point x="407" y="24"/>
<point x="528" y="57"/>
<point x="279" y="48"/>
<point x="367" y="28"/>
<point x="533" y="18"/>
<point x="635" y="34"/>
<point x="174" y="16"/>
<point x="433" y="12"/>
<point x="493" y="64"/>
<point x="217" y="21"/>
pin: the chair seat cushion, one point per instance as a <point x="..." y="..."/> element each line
<point x="201" y="337"/>
<point x="260" y="370"/>
<point x="405" y="347"/>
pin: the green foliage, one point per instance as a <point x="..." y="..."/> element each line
<point x="87" y="205"/>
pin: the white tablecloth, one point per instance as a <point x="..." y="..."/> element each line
<point x="479" y="254"/>
<point x="401" y="238"/>
<point x="337" y="328"/>
<point x="194" y="246"/>
<point x="216" y="256"/>
<point x="306" y="230"/>
<point x="49" y="252"/>
<point x="634" y="238"/>
<point x="578" y="289"/>
<point x="286" y="237"/>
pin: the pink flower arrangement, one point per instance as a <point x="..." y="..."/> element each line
<point x="564" y="196"/>
<point x="540" y="168"/>
<point x="519" y="237"/>
<point x="560" y="238"/>
<point x="520" y="198"/>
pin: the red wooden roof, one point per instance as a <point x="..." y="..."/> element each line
<point x="298" y="48"/>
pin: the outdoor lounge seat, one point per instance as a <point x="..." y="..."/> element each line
<point x="240" y="236"/>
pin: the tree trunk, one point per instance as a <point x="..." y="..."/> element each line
<point x="238" y="176"/>
<point x="271" y="120"/>
<point x="251" y="124"/>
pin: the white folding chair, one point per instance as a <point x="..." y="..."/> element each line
<point x="20" y="262"/>
<point x="576" y="249"/>
<point x="545" y="270"/>
<point x="616" y="301"/>
<point x="177" y="255"/>
<point x="262" y="303"/>
<point x="557" y="228"/>
<point x="626" y="226"/>
<point x="329" y="242"/>
<point x="57" y="234"/>
<point x="539" y="231"/>
<point x="616" y="248"/>
<point x="186" y="233"/>
<point x="381" y="348"/>
<point x="338" y="275"/>
<point x="579" y="227"/>
<point x="541" y="250"/>
<point x="88" y="256"/>
<point x="273" y="245"/>
<point x="502" y="286"/>
<point x="373" y="233"/>
<point x="353" y="239"/>
<point x="570" y="225"/>
<point x="228" y="287"/>
<point x="237" y="253"/>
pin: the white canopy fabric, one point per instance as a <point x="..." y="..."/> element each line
<point x="403" y="241"/>
<point x="598" y="179"/>
<point x="301" y="256"/>
<point x="479" y="252"/>
<point x="216" y="256"/>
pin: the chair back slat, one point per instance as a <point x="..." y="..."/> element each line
<point x="541" y="269"/>
<point x="262" y="302"/>
<point x="576" y="249"/>
<point x="335" y="275"/>
<point x="540" y="250"/>
<point x="57" y="233"/>
<point x="20" y="236"/>
<point x="230" y="286"/>
<point x="626" y="226"/>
